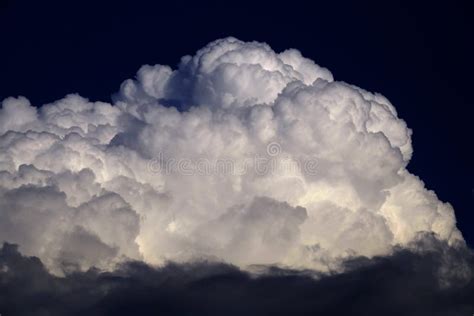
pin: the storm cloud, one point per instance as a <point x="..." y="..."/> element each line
<point x="428" y="278"/>
<point x="241" y="154"/>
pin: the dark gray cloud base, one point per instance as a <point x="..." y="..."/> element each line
<point x="408" y="282"/>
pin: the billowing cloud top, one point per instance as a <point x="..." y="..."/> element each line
<point x="241" y="154"/>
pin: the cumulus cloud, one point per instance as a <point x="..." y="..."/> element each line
<point x="241" y="154"/>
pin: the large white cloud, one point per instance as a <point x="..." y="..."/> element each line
<point x="241" y="154"/>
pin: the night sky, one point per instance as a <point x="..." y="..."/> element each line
<point x="418" y="55"/>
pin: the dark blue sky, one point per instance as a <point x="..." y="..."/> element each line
<point x="419" y="55"/>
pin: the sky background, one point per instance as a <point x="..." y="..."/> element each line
<point x="417" y="55"/>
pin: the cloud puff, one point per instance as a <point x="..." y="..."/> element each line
<point x="241" y="154"/>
